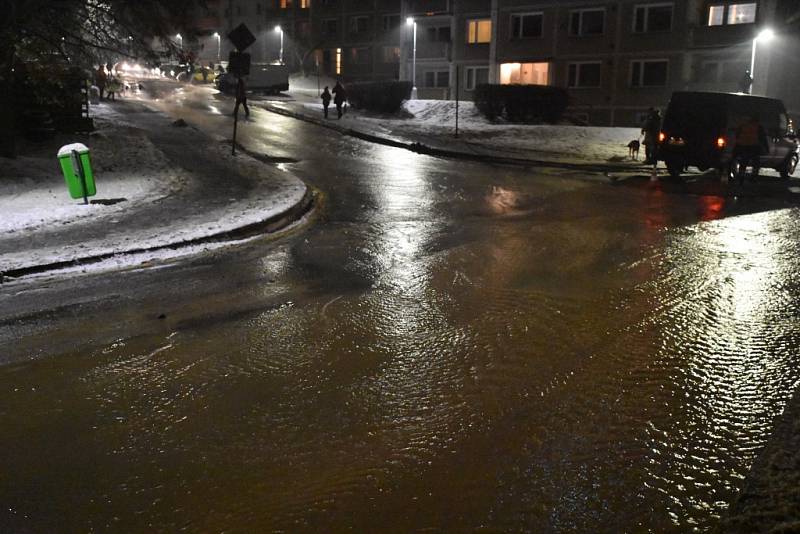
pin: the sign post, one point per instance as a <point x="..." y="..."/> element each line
<point x="239" y="66"/>
<point x="457" y="82"/>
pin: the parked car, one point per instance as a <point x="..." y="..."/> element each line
<point x="699" y="129"/>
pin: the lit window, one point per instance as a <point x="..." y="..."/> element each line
<point x="716" y="15"/>
<point x="286" y="4"/>
<point x="524" y="73"/>
<point x="338" y="61"/>
<point x="649" y="73"/>
<point x="479" y="31"/>
<point x="742" y="13"/>
<point x="732" y="13"/>
<point x="652" y="18"/>
<point x="587" y="22"/>
<point x="584" y="75"/>
<point x="305" y="4"/>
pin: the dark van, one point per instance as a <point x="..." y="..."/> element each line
<point x="699" y="130"/>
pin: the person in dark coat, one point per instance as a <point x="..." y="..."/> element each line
<point x="100" y="79"/>
<point x="650" y="129"/>
<point x="326" y="100"/>
<point x="241" y="98"/>
<point x="340" y="97"/>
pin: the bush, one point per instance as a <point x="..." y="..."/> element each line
<point x="521" y="103"/>
<point x="382" y="97"/>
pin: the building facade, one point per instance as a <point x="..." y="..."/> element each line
<point x="615" y="57"/>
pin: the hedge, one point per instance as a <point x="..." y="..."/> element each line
<point x="521" y="103"/>
<point x="382" y="97"/>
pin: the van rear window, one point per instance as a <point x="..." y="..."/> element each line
<point x="689" y="115"/>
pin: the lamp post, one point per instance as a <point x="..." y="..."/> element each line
<point x="764" y="36"/>
<point x="219" y="46"/>
<point x="280" y="31"/>
<point x="413" y="23"/>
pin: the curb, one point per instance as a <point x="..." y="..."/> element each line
<point x="419" y="148"/>
<point x="267" y="226"/>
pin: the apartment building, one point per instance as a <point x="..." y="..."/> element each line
<point x="616" y="57"/>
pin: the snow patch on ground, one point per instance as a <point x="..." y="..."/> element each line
<point x="128" y="170"/>
<point x="435" y="119"/>
<point x="131" y="173"/>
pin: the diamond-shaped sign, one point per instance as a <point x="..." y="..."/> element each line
<point x="241" y="37"/>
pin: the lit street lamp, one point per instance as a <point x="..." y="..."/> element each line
<point x="280" y="31"/>
<point x="180" y="40"/>
<point x="411" y="22"/>
<point x="764" y="36"/>
<point x="219" y="46"/>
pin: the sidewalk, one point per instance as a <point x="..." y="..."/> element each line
<point x="160" y="187"/>
<point x="770" y="498"/>
<point x="428" y="127"/>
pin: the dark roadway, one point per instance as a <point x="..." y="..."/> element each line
<point x="444" y="346"/>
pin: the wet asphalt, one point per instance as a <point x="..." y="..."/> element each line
<point x="441" y="345"/>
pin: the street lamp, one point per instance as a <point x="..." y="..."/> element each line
<point x="219" y="46"/>
<point x="280" y="31"/>
<point x="764" y="36"/>
<point x="413" y="23"/>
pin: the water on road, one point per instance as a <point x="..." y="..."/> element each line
<point x="448" y="346"/>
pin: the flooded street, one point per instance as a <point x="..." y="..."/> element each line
<point x="442" y="346"/>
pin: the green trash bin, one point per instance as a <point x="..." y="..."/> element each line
<point x="77" y="169"/>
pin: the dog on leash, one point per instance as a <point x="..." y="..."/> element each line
<point x="633" y="149"/>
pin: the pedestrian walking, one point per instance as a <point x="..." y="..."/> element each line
<point x="751" y="142"/>
<point x="746" y="82"/>
<point x="326" y="100"/>
<point x="113" y="87"/>
<point x="650" y="129"/>
<point x="340" y="97"/>
<point x="241" y="98"/>
<point x="100" y="79"/>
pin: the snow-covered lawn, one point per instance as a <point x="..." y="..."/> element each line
<point x="436" y="119"/>
<point x="145" y="199"/>
<point x="128" y="170"/>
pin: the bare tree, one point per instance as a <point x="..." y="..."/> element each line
<point x="81" y="33"/>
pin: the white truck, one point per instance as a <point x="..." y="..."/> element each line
<point x="270" y="78"/>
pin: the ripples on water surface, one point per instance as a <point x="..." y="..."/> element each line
<point x="553" y="378"/>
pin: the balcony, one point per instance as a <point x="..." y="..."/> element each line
<point x="722" y="36"/>
<point x="433" y="50"/>
<point x="426" y="7"/>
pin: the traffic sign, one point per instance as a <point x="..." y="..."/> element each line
<point x="241" y="37"/>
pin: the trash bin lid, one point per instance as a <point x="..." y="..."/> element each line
<point x="66" y="150"/>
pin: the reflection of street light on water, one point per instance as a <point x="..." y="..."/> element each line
<point x="280" y="31"/>
<point x="411" y="22"/>
<point x="764" y="36"/>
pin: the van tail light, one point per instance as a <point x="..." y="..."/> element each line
<point x="662" y="137"/>
<point x="721" y="142"/>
